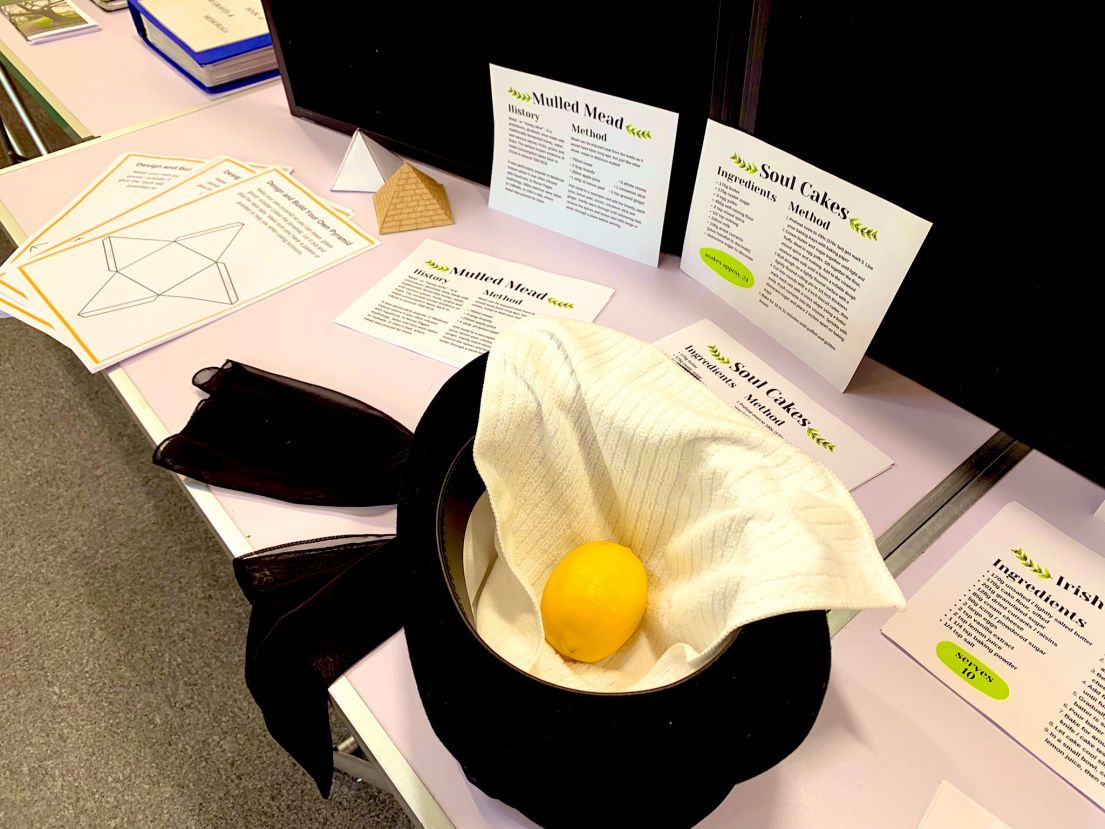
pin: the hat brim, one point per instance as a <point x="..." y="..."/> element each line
<point x="550" y="751"/>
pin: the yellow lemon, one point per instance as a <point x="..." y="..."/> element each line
<point x="594" y="600"/>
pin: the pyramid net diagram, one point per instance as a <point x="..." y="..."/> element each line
<point x="188" y="267"/>
<point x="411" y="200"/>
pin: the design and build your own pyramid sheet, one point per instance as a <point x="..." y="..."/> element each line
<point x="196" y="258"/>
<point x="131" y="179"/>
<point x="134" y="187"/>
<point x="188" y="267"/>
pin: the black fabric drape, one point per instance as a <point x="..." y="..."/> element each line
<point x="271" y="435"/>
<point x="318" y="607"/>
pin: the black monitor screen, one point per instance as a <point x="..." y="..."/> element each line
<point x="418" y="78"/>
<point x="946" y="114"/>
<point x="939" y="112"/>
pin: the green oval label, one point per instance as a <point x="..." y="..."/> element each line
<point x="728" y="268"/>
<point x="972" y="670"/>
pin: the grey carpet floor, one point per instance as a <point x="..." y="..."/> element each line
<point x="122" y="701"/>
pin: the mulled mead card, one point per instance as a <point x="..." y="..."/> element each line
<point x="450" y="304"/>
<point x="591" y="166"/>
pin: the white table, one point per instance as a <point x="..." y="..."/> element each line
<point x="104" y="81"/>
<point x="292" y="333"/>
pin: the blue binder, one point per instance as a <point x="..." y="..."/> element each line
<point x="142" y="18"/>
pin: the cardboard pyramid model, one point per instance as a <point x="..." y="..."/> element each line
<point x="411" y="200"/>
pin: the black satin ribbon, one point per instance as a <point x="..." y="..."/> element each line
<point x="271" y="435"/>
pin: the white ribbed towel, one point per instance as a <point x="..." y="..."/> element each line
<point x="588" y="434"/>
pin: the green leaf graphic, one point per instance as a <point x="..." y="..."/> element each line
<point x="637" y="132"/>
<point x="559" y="303"/>
<point x="863" y="230"/>
<point x="721" y="358"/>
<point x="821" y="441"/>
<point x="748" y="166"/>
<point x="1039" y="569"/>
<point x="436" y="266"/>
<point x="521" y="96"/>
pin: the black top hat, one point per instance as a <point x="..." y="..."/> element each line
<point x="569" y="758"/>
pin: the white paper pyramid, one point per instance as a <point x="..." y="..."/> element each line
<point x="366" y="166"/>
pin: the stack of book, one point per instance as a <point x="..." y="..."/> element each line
<point x="40" y="21"/>
<point x="217" y="44"/>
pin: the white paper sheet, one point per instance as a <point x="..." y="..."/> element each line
<point x="129" y="179"/>
<point x="449" y="303"/>
<point x="11" y="294"/>
<point x="752" y="387"/>
<point x="148" y="282"/>
<point x="1015" y="624"/>
<point x="952" y="809"/>
<point x="29" y="315"/>
<point x="591" y="166"/>
<point x="131" y="182"/>
<point x="65" y="230"/>
<point x="208" y="24"/>
<point x="220" y="172"/>
<point x="811" y="259"/>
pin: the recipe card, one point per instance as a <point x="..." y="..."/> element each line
<point x="1015" y="624"/>
<point x="449" y="303"/>
<point x="811" y="259"/>
<point x="591" y="166"/>
<point x="752" y="387"/>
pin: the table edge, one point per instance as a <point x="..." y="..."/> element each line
<point x="52" y="101"/>
<point x="229" y="534"/>
<point x="372" y="737"/>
